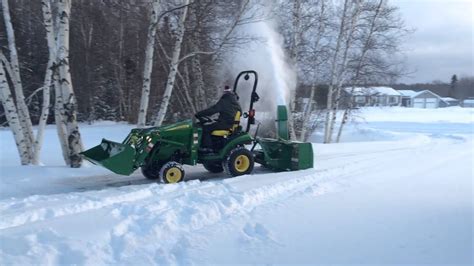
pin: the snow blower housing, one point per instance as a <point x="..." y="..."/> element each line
<point x="160" y="152"/>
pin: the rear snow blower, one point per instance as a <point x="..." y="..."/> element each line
<point x="160" y="152"/>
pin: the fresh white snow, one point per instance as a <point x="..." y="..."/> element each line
<point x="398" y="190"/>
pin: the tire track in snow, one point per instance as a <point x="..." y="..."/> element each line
<point x="176" y="218"/>
<point x="143" y="224"/>
<point x="159" y="227"/>
<point x="31" y="209"/>
<point x="20" y="212"/>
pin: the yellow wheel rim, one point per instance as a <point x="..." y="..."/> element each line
<point x="173" y="175"/>
<point x="242" y="163"/>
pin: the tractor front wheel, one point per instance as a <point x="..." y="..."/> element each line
<point x="214" y="167"/>
<point x="240" y="161"/>
<point x="172" y="172"/>
<point x="151" y="171"/>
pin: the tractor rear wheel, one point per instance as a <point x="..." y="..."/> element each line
<point x="172" y="172"/>
<point x="214" y="167"/>
<point x="240" y="161"/>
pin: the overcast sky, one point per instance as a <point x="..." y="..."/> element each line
<point x="442" y="44"/>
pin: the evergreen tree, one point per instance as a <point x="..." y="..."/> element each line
<point x="452" y="88"/>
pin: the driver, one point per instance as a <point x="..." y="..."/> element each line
<point x="226" y="107"/>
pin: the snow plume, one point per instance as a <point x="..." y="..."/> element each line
<point x="264" y="54"/>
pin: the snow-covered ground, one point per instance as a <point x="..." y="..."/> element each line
<point x="398" y="190"/>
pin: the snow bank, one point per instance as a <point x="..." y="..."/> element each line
<point x="418" y="115"/>
<point x="399" y="123"/>
<point x="51" y="151"/>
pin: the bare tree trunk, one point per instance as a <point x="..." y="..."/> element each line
<point x="173" y="68"/>
<point x="333" y="74"/>
<point x="69" y="100"/>
<point x="345" y="117"/>
<point x="11" y="114"/>
<point x="148" y="67"/>
<point x="294" y="56"/>
<point x="343" y="65"/>
<point x="59" y="116"/>
<point x="23" y="113"/>
<point x="119" y="69"/>
<point x="199" y="80"/>
<point x="188" y="97"/>
<point x="307" y="115"/>
<point x="306" y="123"/>
<point x="48" y="25"/>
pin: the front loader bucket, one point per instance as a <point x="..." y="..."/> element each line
<point x="118" y="158"/>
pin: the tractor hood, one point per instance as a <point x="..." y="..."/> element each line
<point x="187" y="124"/>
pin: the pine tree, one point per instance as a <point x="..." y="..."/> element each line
<point x="452" y="87"/>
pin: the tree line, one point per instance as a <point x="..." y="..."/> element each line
<point x="459" y="88"/>
<point x="152" y="61"/>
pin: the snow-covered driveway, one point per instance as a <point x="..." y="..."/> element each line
<point x="403" y="201"/>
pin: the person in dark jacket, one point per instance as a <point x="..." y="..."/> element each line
<point x="226" y="107"/>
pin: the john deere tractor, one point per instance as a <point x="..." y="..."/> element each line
<point x="160" y="152"/>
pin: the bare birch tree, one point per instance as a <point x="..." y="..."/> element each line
<point x="173" y="67"/>
<point x="333" y="72"/>
<point x="11" y="114"/>
<point x="341" y="73"/>
<point x="23" y="113"/>
<point x="316" y="57"/>
<point x="222" y="42"/>
<point x="48" y="25"/>
<point x="68" y="107"/>
<point x="148" y="66"/>
<point x="294" y="52"/>
<point x="307" y="114"/>
<point x="382" y="32"/>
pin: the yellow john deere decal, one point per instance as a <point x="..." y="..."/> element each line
<point x="178" y="127"/>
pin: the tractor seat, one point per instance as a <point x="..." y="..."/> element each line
<point x="227" y="132"/>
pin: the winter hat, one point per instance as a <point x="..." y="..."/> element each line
<point x="227" y="88"/>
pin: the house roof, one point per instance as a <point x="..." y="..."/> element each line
<point x="449" y="99"/>
<point x="407" y="93"/>
<point x="372" y="91"/>
<point x="423" y="91"/>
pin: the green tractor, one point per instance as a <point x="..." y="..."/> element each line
<point x="160" y="152"/>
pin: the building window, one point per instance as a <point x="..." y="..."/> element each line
<point x="360" y="99"/>
<point x="392" y="99"/>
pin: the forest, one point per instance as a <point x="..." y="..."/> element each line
<point x="149" y="62"/>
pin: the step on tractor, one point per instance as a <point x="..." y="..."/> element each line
<point x="161" y="152"/>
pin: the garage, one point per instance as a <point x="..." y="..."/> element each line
<point x="419" y="103"/>
<point x="425" y="99"/>
<point x="431" y="103"/>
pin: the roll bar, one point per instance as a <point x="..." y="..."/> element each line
<point x="250" y="115"/>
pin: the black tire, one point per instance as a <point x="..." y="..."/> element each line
<point x="240" y="161"/>
<point x="151" y="171"/>
<point x="172" y="172"/>
<point x="214" y="167"/>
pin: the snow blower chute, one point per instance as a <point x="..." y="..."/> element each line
<point x="160" y="152"/>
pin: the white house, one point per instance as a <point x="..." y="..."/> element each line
<point x="421" y="99"/>
<point x="425" y="99"/>
<point x="373" y="96"/>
